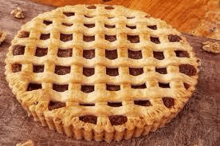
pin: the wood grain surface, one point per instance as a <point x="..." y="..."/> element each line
<point x="196" y="124"/>
<point x="209" y="26"/>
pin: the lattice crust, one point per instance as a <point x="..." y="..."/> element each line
<point x="100" y="67"/>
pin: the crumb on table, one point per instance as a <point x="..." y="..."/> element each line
<point x="26" y="143"/>
<point x="213" y="47"/>
<point x="18" y="13"/>
<point x="2" y="36"/>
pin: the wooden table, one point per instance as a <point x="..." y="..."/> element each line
<point x="195" y="124"/>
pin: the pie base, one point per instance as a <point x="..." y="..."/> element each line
<point x="89" y="134"/>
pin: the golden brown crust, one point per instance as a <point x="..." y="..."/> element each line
<point x="133" y="117"/>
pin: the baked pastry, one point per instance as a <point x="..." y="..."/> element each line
<point x="101" y="72"/>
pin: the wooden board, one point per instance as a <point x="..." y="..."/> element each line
<point x="197" y="123"/>
<point x="210" y="25"/>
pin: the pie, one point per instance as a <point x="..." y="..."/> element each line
<point x="100" y="72"/>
